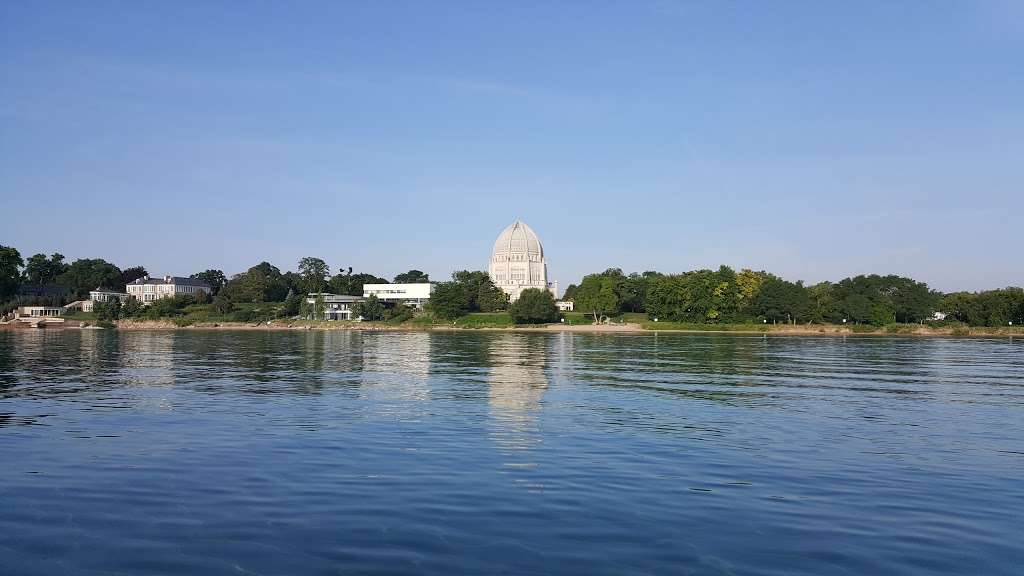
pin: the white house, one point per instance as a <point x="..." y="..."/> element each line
<point x="38" y="311"/>
<point x="148" y="290"/>
<point x="415" y="295"/>
<point x="336" y="306"/>
<point x="102" y="295"/>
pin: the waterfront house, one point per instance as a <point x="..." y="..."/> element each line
<point x="415" y="295"/>
<point x="102" y="295"/>
<point x="147" y="290"/>
<point x="38" y="311"/>
<point x="336" y="306"/>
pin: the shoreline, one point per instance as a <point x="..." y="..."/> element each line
<point x="625" y="328"/>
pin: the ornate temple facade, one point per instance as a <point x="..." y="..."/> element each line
<point x="517" y="262"/>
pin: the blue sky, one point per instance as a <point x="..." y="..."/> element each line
<point x="813" y="139"/>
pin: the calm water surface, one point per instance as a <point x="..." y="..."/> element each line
<point x="487" y="453"/>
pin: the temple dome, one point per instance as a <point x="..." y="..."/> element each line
<point x="517" y="261"/>
<point x="517" y="242"/>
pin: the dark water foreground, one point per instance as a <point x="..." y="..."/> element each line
<point x="481" y="453"/>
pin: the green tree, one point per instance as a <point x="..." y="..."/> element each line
<point x="352" y="284"/>
<point x="596" y="295"/>
<point x="129" y="275"/>
<point x="483" y="295"/>
<point x="314" y="273"/>
<point x="215" y="278"/>
<point x="261" y="283"/>
<point x="87" y="274"/>
<point x="369" y="309"/>
<point x="570" y="292"/>
<point x="223" y="304"/>
<point x="292" y="304"/>
<point x="778" y="300"/>
<point x="201" y="297"/>
<point x="399" y="313"/>
<point x="40" y="270"/>
<point x="10" y="271"/>
<point x="412" y="277"/>
<point x="449" y="300"/>
<point x="131" y="308"/>
<point x="534" y="306"/>
<point x="107" y="311"/>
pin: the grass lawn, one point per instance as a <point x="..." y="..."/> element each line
<point x="485" y="320"/>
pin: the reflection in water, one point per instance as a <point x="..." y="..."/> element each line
<point x="220" y="452"/>
<point x="516" y="383"/>
<point x="396" y="366"/>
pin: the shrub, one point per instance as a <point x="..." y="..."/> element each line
<point x="534" y="306"/>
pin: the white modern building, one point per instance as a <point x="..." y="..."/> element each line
<point x="38" y="311"/>
<point x="336" y="306"/>
<point x="148" y="290"/>
<point x="517" y="262"/>
<point x="415" y="295"/>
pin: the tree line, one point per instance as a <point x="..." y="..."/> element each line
<point x="727" y="296"/>
<point x="698" y="296"/>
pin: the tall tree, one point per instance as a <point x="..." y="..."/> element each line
<point x="596" y="296"/>
<point x="346" y="282"/>
<point x="449" y="300"/>
<point x="215" y="278"/>
<point x="261" y="283"/>
<point x="483" y="295"/>
<point x="10" y="271"/>
<point x="129" y="275"/>
<point x="369" y="309"/>
<point x="412" y="277"/>
<point x="314" y="272"/>
<point x="40" y="270"/>
<point x="87" y="274"/>
<point x="778" y="300"/>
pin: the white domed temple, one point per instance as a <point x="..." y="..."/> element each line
<point x="517" y="262"/>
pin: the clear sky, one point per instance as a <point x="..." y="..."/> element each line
<point x="816" y="140"/>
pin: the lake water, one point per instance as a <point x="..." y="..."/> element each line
<point x="496" y="452"/>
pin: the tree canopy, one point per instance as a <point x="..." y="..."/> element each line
<point x="412" y="277"/>
<point x="534" y="306"/>
<point x="129" y="275"/>
<point x="10" y="271"/>
<point x="215" y="278"/>
<point x="313" y="273"/>
<point x="483" y="295"/>
<point x="449" y="300"/>
<point x="345" y="282"/>
<point x="40" y="270"/>
<point x="261" y="283"/>
<point x="87" y="274"/>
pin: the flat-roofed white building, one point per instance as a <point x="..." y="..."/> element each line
<point x="411" y="294"/>
<point x="149" y="290"/>
<point x="38" y="311"/>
